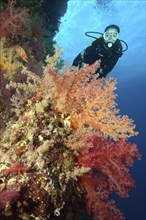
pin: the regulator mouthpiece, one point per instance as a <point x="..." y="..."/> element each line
<point x="110" y="44"/>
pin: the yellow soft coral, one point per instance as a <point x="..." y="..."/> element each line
<point x="8" y="60"/>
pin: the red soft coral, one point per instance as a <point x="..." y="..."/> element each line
<point x="97" y="191"/>
<point x="110" y="162"/>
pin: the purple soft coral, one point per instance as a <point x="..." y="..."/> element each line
<point x="10" y="195"/>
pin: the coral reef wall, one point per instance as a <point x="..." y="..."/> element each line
<point x="64" y="150"/>
<point x="32" y="24"/>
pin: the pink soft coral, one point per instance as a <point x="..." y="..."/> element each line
<point x="12" y="20"/>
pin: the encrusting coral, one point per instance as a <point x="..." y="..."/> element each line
<point x="65" y="142"/>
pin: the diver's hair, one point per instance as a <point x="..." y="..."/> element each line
<point x="112" y="26"/>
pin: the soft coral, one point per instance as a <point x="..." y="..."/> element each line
<point x="13" y="19"/>
<point x="109" y="162"/>
<point x="9" y="195"/>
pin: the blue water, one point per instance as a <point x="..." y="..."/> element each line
<point x="130" y="71"/>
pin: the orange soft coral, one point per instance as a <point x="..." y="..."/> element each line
<point x="90" y="104"/>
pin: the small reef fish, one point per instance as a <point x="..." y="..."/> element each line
<point x="20" y="51"/>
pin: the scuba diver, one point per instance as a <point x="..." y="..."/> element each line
<point x="108" y="49"/>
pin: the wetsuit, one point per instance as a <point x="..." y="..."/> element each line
<point x="99" y="50"/>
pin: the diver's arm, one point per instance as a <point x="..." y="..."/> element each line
<point x="89" y="55"/>
<point x="77" y="61"/>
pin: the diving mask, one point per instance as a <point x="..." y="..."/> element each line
<point x="110" y="36"/>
